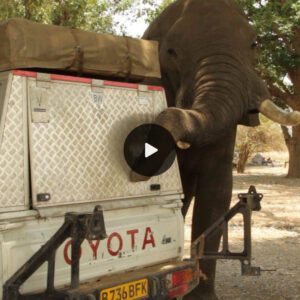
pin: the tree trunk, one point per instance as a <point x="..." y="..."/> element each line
<point x="27" y="7"/>
<point x="293" y="145"/>
<point x="293" y="140"/>
<point x="244" y="153"/>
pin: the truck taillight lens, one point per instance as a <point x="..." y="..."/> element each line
<point x="179" y="282"/>
<point x="181" y="277"/>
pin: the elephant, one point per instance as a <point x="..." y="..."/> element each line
<point x="207" y="51"/>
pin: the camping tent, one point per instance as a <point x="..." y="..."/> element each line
<point x="26" y="44"/>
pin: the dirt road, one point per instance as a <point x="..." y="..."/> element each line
<point x="276" y="240"/>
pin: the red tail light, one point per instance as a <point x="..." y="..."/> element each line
<point x="181" y="277"/>
<point x="179" y="282"/>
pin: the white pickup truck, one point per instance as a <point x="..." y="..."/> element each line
<point x="61" y="151"/>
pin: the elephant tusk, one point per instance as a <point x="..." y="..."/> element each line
<point x="183" y="145"/>
<point x="278" y="115"/>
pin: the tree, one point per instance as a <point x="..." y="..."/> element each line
<point x="157" y="9"/>
<point x="266" y="137"/>
<point x="91" y="15"/>
<point x="278" y="27"/>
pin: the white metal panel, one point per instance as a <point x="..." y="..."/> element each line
<point x="3" y="84"/>
<point x="77" y="157"/>
<point x="137" y="237"/>
<point x="13" y="145"/>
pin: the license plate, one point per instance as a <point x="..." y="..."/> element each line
<point x="127" y="291"/>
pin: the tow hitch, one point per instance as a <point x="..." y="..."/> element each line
<point x="248" y="202"/>
<point x="78" y="227"/>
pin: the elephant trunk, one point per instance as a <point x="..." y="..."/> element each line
<point x="216" y="103"/>
<point x="197" y="126"/>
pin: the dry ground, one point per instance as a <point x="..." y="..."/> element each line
<point x="276" y="239"/>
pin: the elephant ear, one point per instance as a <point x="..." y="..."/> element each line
<point x="251" y="119"/>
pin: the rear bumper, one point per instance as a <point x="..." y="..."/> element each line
<point x="158" y="283"/>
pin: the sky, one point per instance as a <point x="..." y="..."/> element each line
<point x="133" y="26"/>
<point x="137" y="28"/>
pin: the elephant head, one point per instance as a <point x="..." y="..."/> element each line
<point x="207" y="52"/>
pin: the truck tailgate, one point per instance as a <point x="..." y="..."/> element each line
<point x="137" y="237"/>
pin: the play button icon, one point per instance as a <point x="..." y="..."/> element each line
<point x="149" y="150"/>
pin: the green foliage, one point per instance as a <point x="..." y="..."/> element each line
<point x="157" y="9"/>
<point x="92" y="15"/>
<point x="277" y="23"/>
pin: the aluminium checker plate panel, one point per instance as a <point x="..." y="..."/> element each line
<point x="77" y="153"/>
<point x="13" y="144"/>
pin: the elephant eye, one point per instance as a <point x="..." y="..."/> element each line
<point x="172" y="52"/>
<point x="254" y="45"/>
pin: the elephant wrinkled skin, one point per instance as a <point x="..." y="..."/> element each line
<point x="207" y="56"/>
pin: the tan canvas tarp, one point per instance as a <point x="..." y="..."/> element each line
<point x="26" y="44"/>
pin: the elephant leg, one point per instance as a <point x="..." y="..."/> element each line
<point x="186" y="204"/>
<point x="189" y="188"/>
<point x="212" y="199"/>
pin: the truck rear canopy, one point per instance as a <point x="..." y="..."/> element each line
<point x="74" y="130"/>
